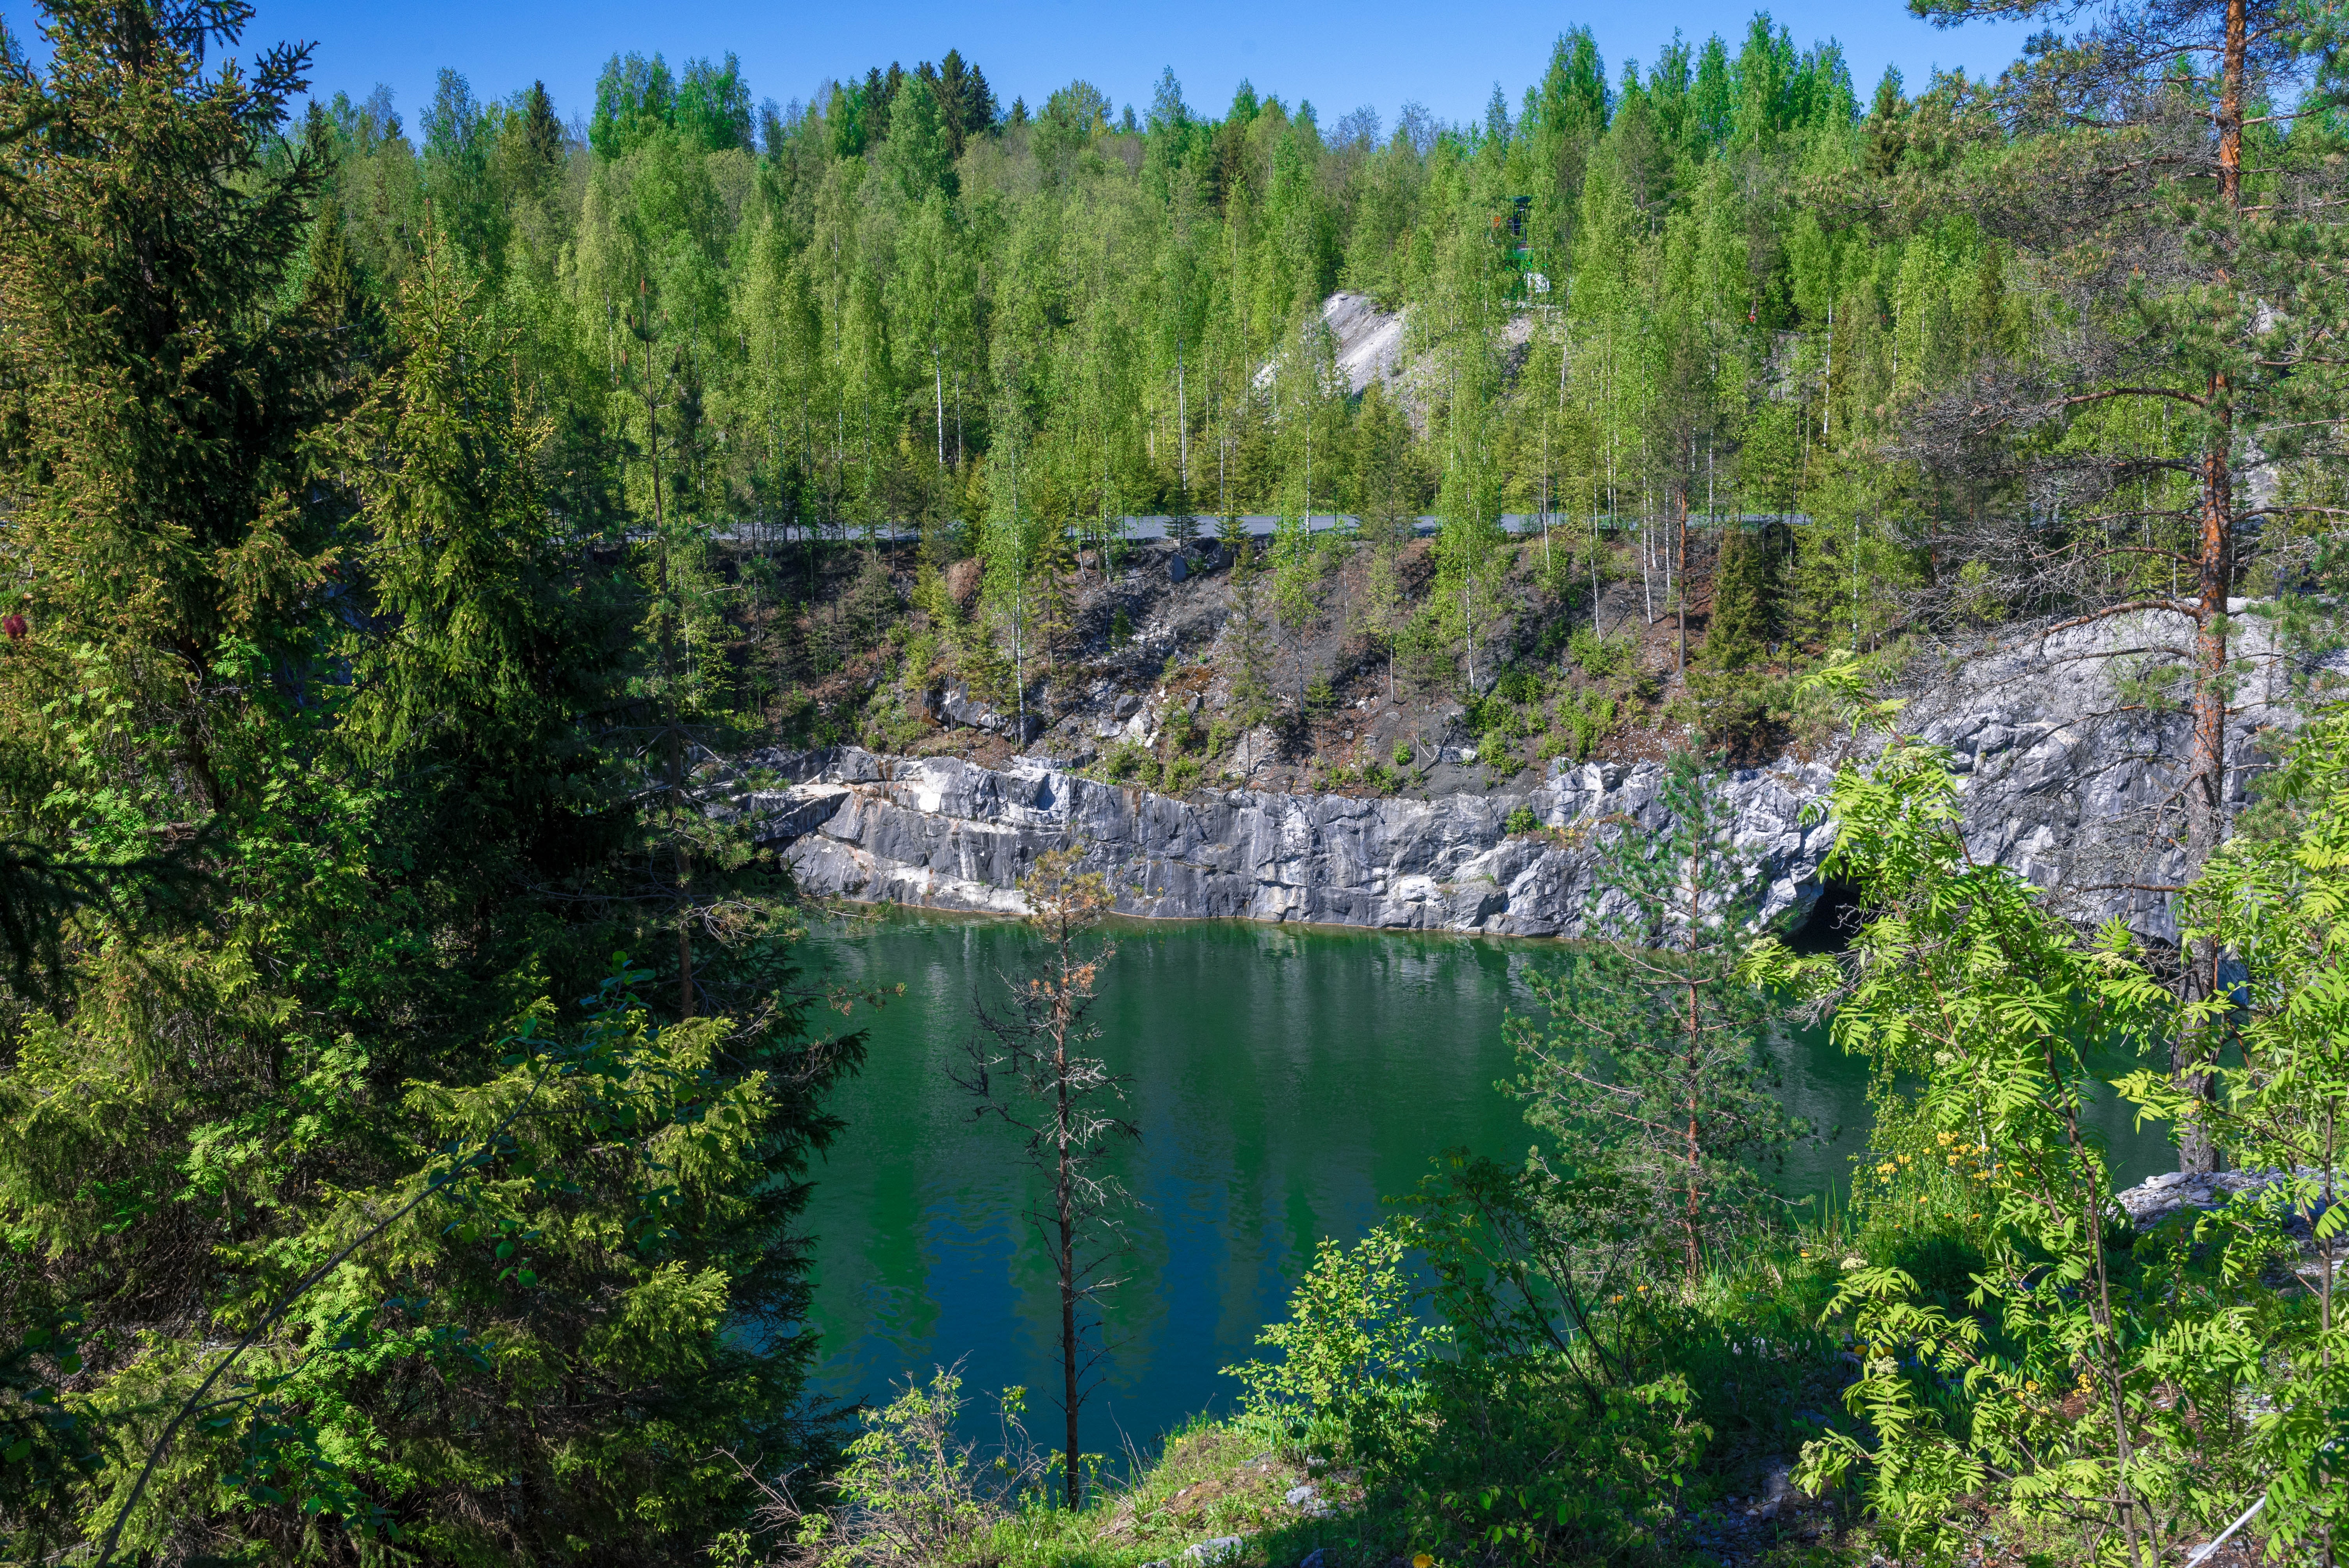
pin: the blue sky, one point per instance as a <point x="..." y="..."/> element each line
<point x="1382" y="53"/>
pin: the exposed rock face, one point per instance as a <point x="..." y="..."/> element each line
<point x="2072" y="777"/>
<point x="1368" y="340"/>
<point x="942" y="833"/>
<point x="960" y="706"/>
<point x="2063" y="777"/>
<point x="2159" y="1197"/>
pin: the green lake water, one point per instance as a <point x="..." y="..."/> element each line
<point x="1285" y="1080"/>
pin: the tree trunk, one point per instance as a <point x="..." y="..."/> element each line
<point x="1691" y="1213"/>
<point x="1680" y="630"/>
<point x="1069" y="1356"/>
<point x="1063" y="1200"/>
<point x="2206" y="782"/>
<point x="676" y="734"/>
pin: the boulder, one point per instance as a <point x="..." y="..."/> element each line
<point x="2173" y="1193"/>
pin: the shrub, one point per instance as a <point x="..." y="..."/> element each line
<point x="1585" y="718"/>
<point x="1402" y="754"/>
<point x="1129" y="764"/>
<point x="1598" y="657"/>
<point x="1522" y="820"/>
<point x="1351" y="1350"/>
<point x="913" y="1492"/>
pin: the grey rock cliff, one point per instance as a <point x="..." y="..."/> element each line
<point x="2066" y="775"/>
<point x="2072" y="764"/>
<point x="942" y="833"/>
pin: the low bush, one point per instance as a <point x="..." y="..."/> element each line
<point x="1599" y="658"/>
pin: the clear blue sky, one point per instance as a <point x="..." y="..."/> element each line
<point x="1380" y="52"/>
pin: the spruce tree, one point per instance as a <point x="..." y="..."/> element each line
<point x="1745" y="594"/>
<point x="444" y="1263"/>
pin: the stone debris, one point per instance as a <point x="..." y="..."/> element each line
<point x="1222" y="1549"/>
<point x="1779" y="1495"/>
<point x="1368" y="340"/>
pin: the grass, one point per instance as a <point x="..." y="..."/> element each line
<point x="1211" y="1480"/>
<point x="1216" y="1479"/>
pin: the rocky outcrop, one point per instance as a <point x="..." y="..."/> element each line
<point x="2068" y="774"/>
<point x="2176" y="1192"/>
<point x="943" y="833"/>
<point x="2070" y="746"/>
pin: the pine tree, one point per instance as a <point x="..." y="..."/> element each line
<point x="1648" y="1066"/>
<point x="2181" y="219"/>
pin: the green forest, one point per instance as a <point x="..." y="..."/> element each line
<point x="412" y="1080"/>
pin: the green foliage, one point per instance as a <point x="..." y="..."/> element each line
<point x="2276" y="902"/>
<point x="1587" y="718"/>
<point x="1249" y="641"/>
<point x="1351" y="1352"/>
<point x="48" y="1447"/>
<point x="1600" y="657"/>
<point x="1517" y="684"/>
<point x="2080" y="1381"/>
<point x="1646" y="1067"/>
<point x="913" y="1491"/>
<point x="1745" y="602"/>
<point x="1581" y="1433"/>
<point x="1522" y="820"/>
<point x="347" y="710"/>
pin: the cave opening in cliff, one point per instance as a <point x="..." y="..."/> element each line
<point x="1834" y="918"/>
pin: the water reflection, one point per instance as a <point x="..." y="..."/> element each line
<point x="1285" y="1080"/>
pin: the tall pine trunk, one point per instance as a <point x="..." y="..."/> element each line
<point x="2206" y="784"/>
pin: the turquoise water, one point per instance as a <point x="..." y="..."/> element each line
<point x="1285" y="1080"/>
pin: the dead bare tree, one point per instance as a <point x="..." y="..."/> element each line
<point x="1026" y="1068"/>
